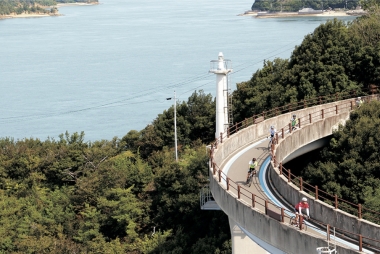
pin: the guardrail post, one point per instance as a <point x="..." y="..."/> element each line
<point x="214" y="167"/>
<point x="220" y="175"/>
<point x="253" y="200"/>
<point x="290" y="128"/>
<point x="228" y="183"/>
<point x="228" y="132"/>
<point x="299" y="123"/>
<point x="336" y="109"/>
<point x="282" y="215"/>
<point x="316" y="192"/>
<point x="289" y="179"/>
<point x="320" y="100"/>
<point x="301" y="187"/>
<point x="336" y="201"/>
<point x="282" y="132"/>
<point x="276" y="138"/>
<point x="309" y="118"/>
<point x="280" y="168"/>
<point x="359" y="211"/>
<point x="352" y="105"/>
<point x="360" y="243"/>
<point x="300" y="222"/>
<point x="323" y="113"/>
<point x="221" y="137"/>
<point x="266" y="207"/>
<point x="328" y="232"/>
<point x="238" y="191"/>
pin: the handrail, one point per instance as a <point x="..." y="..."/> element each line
<point x="292" y="107"/>
<point x="287" y="173"/>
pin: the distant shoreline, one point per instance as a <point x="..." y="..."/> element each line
<point x="75" y="4"/>
<point x="296" y="14"/>
<point x="40" y="15"/>
<point x="29" y="15"/>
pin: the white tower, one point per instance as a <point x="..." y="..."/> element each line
<point x="220" y="68"/>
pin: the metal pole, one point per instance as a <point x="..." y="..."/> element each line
<point x="175" y="127"/>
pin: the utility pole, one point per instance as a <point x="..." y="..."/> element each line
<point x="175" y="124"/>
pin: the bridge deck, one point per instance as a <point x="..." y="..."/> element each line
<point x="238" y="173"/>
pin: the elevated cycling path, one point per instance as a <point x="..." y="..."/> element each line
<point x="255" y="213"/>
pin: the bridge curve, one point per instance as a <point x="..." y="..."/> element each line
<point x="256" y="215"/>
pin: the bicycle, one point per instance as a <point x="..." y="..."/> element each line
<point x="250" y="178"/>
<point x="271" y="141"/>
<point x="295" y="223"/>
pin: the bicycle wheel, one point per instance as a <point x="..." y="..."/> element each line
<point x="269" y="143"/>
<point x="292" y="220"/>
<point x="250" y="180"/>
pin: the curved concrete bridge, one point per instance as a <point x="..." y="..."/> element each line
<point x="260" y="216"/>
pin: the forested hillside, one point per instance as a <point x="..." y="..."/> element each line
<point x="296" y="5"/>
<point x="129" y="195"/>
<point x="8" y="7"/>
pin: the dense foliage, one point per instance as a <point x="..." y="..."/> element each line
<point x="71" y="196"/>
<point x="195" y="120"/>
<point x="350" y="164"/>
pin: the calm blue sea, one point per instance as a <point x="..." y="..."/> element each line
<point x="108" y="69"/>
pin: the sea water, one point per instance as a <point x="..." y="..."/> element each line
<point x="107" y="69"/>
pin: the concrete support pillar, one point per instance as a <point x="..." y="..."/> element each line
<point x="241" y="243"/>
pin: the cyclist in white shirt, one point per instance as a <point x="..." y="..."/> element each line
<point x="272" y="131"/>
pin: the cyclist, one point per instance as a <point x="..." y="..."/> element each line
<point x="252" y="168"/>
<point x="359" y="102"/>
<point x="301" y="206"/>
<point x="272" y="131"/>
<point x="294" y="122"/>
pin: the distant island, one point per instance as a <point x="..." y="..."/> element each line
<point x="304" y="12"/>
<point x="285" y="8"/>
<point x="37" y="8"/>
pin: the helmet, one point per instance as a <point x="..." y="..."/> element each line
<point x="294" y="115"/>
<point x="253" y="159"/>
<point x="271" y="126"/>
<point x="304" y="199"/>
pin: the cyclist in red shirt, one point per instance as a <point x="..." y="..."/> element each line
<point x="301" y="206"/>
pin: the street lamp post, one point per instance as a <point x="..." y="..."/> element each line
<point x="175" y="125"/>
